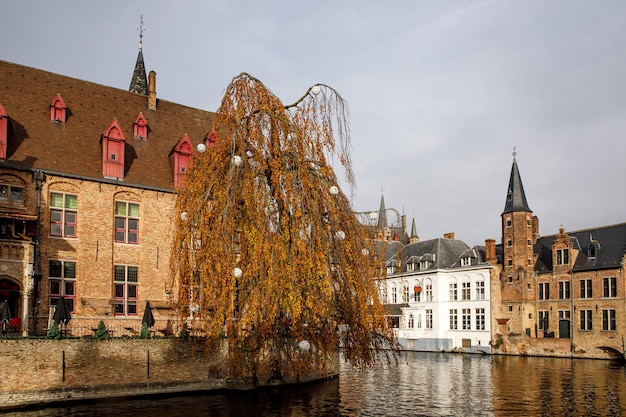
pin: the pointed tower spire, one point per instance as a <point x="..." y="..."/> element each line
<point x="139" y="82"/>
<point x="382" y="214"/>
<point x="515" y="198"/>
<point x="414" y="237"/>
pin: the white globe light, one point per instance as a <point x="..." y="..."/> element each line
<point x="334" y="190"/>
<point x="201" y="147"/>
<point x="315" y="90"/>
<point x="184" y="216"/>
<point x="373" y="215"/>
<point x="304" y="345"/>
<point x="365" y="252"/>
<point x="237" y="160"/>
<point x="237" y="272"/>
<point x="341" y="235"/>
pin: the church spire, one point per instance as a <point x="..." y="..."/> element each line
<point x="515" y="198"/>
<point x="382" y="214"/>
<point x="139" y="82"/>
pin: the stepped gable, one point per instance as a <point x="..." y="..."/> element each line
<point x="74" y="147"/>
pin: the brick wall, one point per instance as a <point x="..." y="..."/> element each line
<point x="41" y="371"/>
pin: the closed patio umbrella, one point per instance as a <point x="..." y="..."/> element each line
<point x="5" y="315"/>
<point x="62" y="314"/>
<point x="148" y="318"/>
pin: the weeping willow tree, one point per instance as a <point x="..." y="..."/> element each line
<point x="267" y="248"/>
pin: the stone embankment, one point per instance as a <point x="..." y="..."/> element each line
<point x="37" y="372"/>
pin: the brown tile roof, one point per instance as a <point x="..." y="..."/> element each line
<point x="75" y="147"/>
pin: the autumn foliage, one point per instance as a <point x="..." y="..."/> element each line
<point x="268" y="252"/>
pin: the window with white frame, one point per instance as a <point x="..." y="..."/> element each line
<point x="394" y="294"/>
<point x="466" y="261"/>
<point x="383" y="293"/>
<point x="126" y="282"/>
<point x="564" y="290"/>
<point x="586" y="286"/>
<point x="610" y="287"/>
<point x="63" y="209"/>
<point x="429" y="318"/>
<point x="419" y="321"/>
<point x="480" y="319"/>
<point x="480" y="290"/>
<point x="466" y="292"/>
<point x="466" y="319"/>
<point x="62" y="282"/>
<point x="411" y="321"/>
<point x="453" y="319"/>
<point x="126" y="222"/>
<point x="609" y="320"/>
<point x="562" y="256"/>
<point x="405" y="292"/>
<point x="586" y="320"/>
<point x="453" y="291"/>
<point x="429" y="290"/>
<point x="417" y="292"/>
<point x="544" y="290"/>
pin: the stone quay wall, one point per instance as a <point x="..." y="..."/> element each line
<point x="39" y="372"/>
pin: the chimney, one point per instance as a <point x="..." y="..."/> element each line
<point x="152" y="101"/>
<point x="490" y="251"/>
<point x="449" y="235"/>
<point x="535" y="228"/>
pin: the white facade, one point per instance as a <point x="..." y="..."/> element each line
<point x="441" y="309"/>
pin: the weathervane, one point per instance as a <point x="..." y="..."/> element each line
<point x="514" y="153"/>
<point x="141" y="30"/>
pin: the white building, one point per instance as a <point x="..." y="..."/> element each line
<point x="437" y="294"/>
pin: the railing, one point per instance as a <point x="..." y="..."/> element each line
<point x="171" y="328"/>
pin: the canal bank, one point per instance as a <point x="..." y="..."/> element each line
<point x="37" y="372"/>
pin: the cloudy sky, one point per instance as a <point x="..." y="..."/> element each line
<point x="440" y="92"/>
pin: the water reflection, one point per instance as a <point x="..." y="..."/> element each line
<point x="422" y="384"/>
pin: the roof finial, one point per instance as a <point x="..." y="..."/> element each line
<point x="141" y="30"/>
<point x="514" y="151"/>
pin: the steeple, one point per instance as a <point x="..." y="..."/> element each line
<point x="139" y="82"/>
<point x="414" y="237"/>
<point x="382" y="214"/>
<point x="515" y="198"/>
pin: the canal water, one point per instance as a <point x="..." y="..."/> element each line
<point x="420" y="384"/>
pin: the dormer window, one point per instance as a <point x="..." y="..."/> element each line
<point x="592" y="249"/>
<point x="466" y="261"/>
<point x="140" y="128"/>
<point x="210" y="138"/>
<point x="113" y="146"/>
<point x="4" y="127"/>
<point x="58" y="110"/>
<point x="182" y="153"/>
<point x="562" y="256"/>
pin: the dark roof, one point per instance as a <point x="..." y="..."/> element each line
<point x="515" y="197"/>
<point x="139" y="82"/>
<point x="74" y="147"/>
<point x="382" y="214"/>
<point x="447" y="252"/>
<point x="609" y="243"/>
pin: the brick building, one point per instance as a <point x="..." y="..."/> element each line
<point x="570" y="285"/>
<point x="87" y="188"/>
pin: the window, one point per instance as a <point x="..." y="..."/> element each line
<point x="564" y="315"/>
<point x="510" y="262"/>
<point x="58" y="110"/>
<point x="510" y="308"/>
<point x="419" y="321"/>
<point x="423" y="265"/>
<point x="410" y="266"/>
<point x="453" y="291"/>
<point x="417" y="292"/>
<point x="140" y="127"/>
<point x="126" y="222"/>
<point x="480" y="319"/>
<point x="480" y="290"/>
<point x="453" y="319"/>
<point x="586" y="320"/>
<point x="429" y="319"/>
<point x="466" y="290"/>
<point x="394" y="294"/>
<point x="11" y="194"/>
<point x="467" y="318"/>
<point x="411" y="321"/>
<point x="429" y="291"/>
<point x="466" y="261"/>
<point x="62" y="282"/>
<point x="383" y="294"/>
<point x="544" y="320"/>
<point x="585" y="288"/>
<point x="63" y="209"/>
<point x="608" y="320"/>
<point x="508" y="222"/>
<point x="509" y="243"/>
<point x="562" y="256"/>
<point x="125" y="299"/>
<point x="564" y="290"/>
<point x="405" y="293"/>
<point x="610" y="287"/>
<point x="544" y="290"/>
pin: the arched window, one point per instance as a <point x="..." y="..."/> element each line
<point x="140" y="128"/>
<point x="58" y="110"/>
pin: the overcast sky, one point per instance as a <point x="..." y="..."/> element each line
<point x="440" y="92"/>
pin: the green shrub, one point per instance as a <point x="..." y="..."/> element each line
<point x="53" y="331"/>
<point x="144" y="333"/>
<point x="101" y="332"/>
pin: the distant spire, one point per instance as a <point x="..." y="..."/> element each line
<point x="413" y="230"/>
<point x="515" y="198"/>
<point x="139" y="82"/>
<point x="382" y="213"/>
